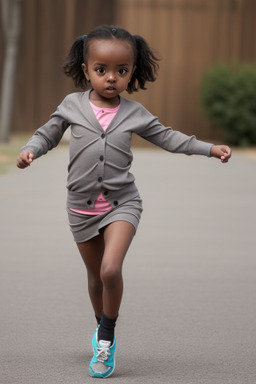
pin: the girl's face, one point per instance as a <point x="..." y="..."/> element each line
<point x="109" y="68"/>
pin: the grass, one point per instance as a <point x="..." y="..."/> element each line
<point x="9" y="151"/>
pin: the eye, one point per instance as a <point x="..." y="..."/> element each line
<point x="100" y="70"/>
<point x="122" y="71"/>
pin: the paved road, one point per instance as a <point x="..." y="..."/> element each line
<point x="189" y="309"/>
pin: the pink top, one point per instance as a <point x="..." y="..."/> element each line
<point x="104" y="117"/>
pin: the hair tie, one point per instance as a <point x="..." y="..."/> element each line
<point x="84" y="36"/>
<point x="114" y="30"/>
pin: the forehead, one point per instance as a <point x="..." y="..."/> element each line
<point x="116" y="51"/>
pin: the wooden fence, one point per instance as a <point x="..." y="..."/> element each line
<point x="188" y="35"/>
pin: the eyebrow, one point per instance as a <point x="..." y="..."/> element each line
<point x="105" y="65"/>
<point x="101" y="64"/>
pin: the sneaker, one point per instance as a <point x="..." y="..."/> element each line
<point x="103" y="361"/>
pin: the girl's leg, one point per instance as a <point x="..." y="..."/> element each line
<point x="103" y="256"/>
<point x="117" y="239"/>
<point x="92" y="253"/>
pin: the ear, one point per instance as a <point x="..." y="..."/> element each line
<point x="85" y="71"/>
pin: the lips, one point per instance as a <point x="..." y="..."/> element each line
<point x="111" y="91"/>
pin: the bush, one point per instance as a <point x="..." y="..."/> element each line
<point x="228" y="94"/>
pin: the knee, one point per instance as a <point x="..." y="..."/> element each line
<point x="110" y="275"/>
<point x="95" y="284"/>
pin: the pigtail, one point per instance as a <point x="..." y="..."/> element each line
<point x="73" y="64"/>
<point x="146" y="65"/>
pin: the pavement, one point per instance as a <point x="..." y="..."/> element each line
<point x="189" y="309"/>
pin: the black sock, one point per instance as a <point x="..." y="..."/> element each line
<point x="106" y="329"/>
<point x="98" y="320"/>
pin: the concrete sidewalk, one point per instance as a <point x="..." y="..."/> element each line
<point x="189" y="309"/>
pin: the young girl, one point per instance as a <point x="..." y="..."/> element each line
<point x="103" y="203"/>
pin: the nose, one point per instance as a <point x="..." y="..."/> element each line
<point x="111" y="77"/>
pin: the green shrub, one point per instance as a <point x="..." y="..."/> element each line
<point x="228" y="94"/>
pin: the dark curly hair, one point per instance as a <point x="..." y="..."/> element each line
<point x="144" y="59"/>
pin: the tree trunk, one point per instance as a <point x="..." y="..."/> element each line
<point x="11" y="21"/>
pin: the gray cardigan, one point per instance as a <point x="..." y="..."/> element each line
<point x="100" y="161"/>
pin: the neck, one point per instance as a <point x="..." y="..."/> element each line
<point x="104" y="103"/>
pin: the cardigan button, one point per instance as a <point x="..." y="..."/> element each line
<point x="115" y="203"/>
<point x="101" y="158"/>
<point x="103" y="136"/>
<point x="105" y="193"/>
<point x="89" y="202"/>
<point x="100" y="179"/>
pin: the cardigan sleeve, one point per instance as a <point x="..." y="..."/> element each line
<point x="49" y="135"/>
<point x="169" y="139"/>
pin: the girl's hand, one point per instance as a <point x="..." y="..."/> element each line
<point x="222" y="152"/>
<point x="24" y="159"/>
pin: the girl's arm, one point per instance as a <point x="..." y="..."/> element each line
<point x="45" y="138"/>
<point x="177" y="142"/>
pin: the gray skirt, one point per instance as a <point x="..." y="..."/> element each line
<point x="85" y="227"/>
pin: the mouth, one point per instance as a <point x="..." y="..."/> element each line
<point x="110" y="90"/>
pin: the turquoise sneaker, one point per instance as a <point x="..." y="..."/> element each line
<point x="103" y="362"/>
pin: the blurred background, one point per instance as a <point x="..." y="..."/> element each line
<point x="188" y="35"/>
<point x="191" y="273"/>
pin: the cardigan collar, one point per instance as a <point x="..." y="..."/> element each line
<point x="91" y="115"/>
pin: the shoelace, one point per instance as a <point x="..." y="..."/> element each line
<point x="103" y="353"/>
